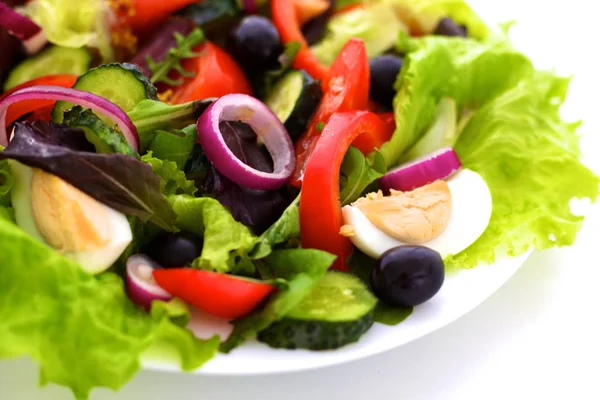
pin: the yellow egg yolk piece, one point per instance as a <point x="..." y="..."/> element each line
<point x="413" y="217"/>
<point x="68" y="219"/>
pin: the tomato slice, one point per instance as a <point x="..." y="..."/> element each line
<point x="320" y="208"/>
<point x="215" y="74"/>
<point x="149" y="13"/>
<point x="225" y="296"/>
<point x="347" y="89"/>
<point x="42" y="108"/>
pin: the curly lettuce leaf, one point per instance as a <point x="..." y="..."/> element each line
<point x="376" y="24"/>
<point x="176" y="145"/>
<point x="172" y="179"/>
<point x="81" y="329"/>
<point x="530" y="159"/>
<point x="469" y="71"/>
<point x="302" y="269"/>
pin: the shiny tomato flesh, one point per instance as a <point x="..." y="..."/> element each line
<point x="215" y="74"/>
<point x="225" y="296"/>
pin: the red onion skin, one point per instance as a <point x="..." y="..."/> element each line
<point x="28" y="32"/>
<point x="85" y="99"/>
<point x="136" y="291"/>
<point x="142" y="298"/>
<point x="252" y="112"/>
<point x="407" y="177"/>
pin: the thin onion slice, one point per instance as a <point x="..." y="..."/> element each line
<point x="28" y="32"/>
<point x="142" y="289"/>
<point x="420" y="172"/>
<point x="269" y="131"/>
<point x="84" y="99"/>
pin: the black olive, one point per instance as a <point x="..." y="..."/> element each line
<point x="407" y="276"/>
<point x="447" y="27"/>
<point x="256" y="45"/>
<point x="384" y="72"/>
<point x="174" y="250"/>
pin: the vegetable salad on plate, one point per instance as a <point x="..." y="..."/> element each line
<point x="300" y="168"/>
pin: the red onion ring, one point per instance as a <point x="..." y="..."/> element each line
<point x="422" y="171"/>
<point x="85" y="99"/>
<point x="142" y="289"/>
<point x="28" y="32"/>
<point x="269" y="130"/>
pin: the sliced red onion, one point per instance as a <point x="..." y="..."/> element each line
<point x="84" y="99"/>
<point x="269" y="131"/>
<point x="141" y="286"/>
<point x="30" y="33"/>
<point x="420" y="172"/>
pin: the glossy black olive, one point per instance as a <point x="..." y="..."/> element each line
<point x="447" y="27"/>
<point x="407" y="276"/>
<point x="174" y="250"/>
<point x="384" y="72"/>
<point x="255" y="43"/>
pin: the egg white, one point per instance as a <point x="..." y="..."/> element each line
<point x="471" y="212"/>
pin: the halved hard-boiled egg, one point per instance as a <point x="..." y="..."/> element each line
<point x="446" y="216"/>
<point x="67" y="219"/>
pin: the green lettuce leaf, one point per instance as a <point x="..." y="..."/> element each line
<point x="81" y="329"/>
<point x="176" y="145"/>
<point x="226" y="241"/>
<point x="173" y="180"/>
<point x="75" y="27"/>
<point x="357" y="173"/>
<point x="302" y="269"/>
<point x="6" y="182"/>
<point x="376" y="24"/>
<point x="530" y="160"/>
<point x="469" y="71"/>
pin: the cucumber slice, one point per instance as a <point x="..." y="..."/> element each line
<point x="123" y="84"/>
<point x="294" y="100"/>
<point x="51" y="61"/>
<point x="338" y="311"/>
<point x="105" y="139"/>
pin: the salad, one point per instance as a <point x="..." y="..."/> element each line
<point x="300" y="168"/>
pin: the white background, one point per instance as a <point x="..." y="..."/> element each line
<point x="537" y="337"/>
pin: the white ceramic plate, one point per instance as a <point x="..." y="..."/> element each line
<point x="461" y="293"/>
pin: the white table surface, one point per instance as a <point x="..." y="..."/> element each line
<point x="538" y="337"/>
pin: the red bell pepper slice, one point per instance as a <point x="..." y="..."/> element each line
<point x="320" y="208"/>
<point x="367" y="143"/>
<point x="288" y="25"/>
<point x="41" y="108"/>
<point x="225" y="296"/>
<point x="348" y="89"/>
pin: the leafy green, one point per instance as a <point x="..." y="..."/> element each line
<point x="104" y="138"/>
<point x="124" y="183"/>
<point x="302" y="268"/>
<point x="425" y="15"/>
<point x="6" y="182"/>
<point x="150" y="116"/>
<point x="376" y="24"/>
<point x="175" y="146"/>
<point x="172" y="62"/>
<point x="529" y="158"/>
<point x="226" y="241"/>
<point x="81" y="329"/>
<point x="469" y="71"/>
<point x="285" y="63"/>
<point x="358" y="173"/>
<point x="74" y="27"/>
<point x="173" y="180"/>
<point x="286" y="228"/>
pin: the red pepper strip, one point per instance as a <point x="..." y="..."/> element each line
<point x="367" y="143"/>
<point x="348" y="90"/>
<point x="42" y="107"/>
<point x="286" y="21"/>
<point x="320" y="208"/>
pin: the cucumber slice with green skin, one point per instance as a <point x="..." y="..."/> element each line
<point x="294" y="100"/>
<point x="53" y="60"/>
<point x="123" y="84"/>
<point x="337" y="312"/>
<point x="105" y="139"/>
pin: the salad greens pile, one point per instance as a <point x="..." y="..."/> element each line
<point x="160" y="173"/>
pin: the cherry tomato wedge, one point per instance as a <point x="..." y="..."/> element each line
<point x="41" y="107"/>
<point x="347" y="89"/>
<point x="225" y="296"/>
<point x="148" y="13"/>
<point x="320" y="208"/>
<point x="215" y="74"/>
